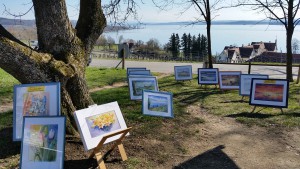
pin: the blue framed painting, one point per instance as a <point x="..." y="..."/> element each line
<point x="157" y="103"/>
<point x="43" y="142"/>
<point x="129" y="69"/>
<point x="140" y="83"/>
<point x="245" y="82"/>
<point x="183" y="72"/>
<point x="39" y="99"/>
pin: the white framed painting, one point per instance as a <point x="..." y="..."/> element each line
<point x="183" y="72"/>
<point x="38" y="99"/>
<point x="43" y="142"/>
<point x="245" y="82"/>
<point x="97" y="121"/>
<point x="157" y="103"/>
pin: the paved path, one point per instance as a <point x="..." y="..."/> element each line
<point x="168" y="67"/>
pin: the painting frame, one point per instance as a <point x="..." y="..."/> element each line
<point x="25" y="99"/>
<point x="246" y="80"/>
<point x="208" y="76"/>
<point x="139" y="73"/>
<point x="129" y="69"/>
<point x="92" y="133"/>
<point x="43" y="142"/>
<point x="139" y="83"/>
<point x="183" y="73"/>
<point x="269" y="93"/>
<point x="232" y="80"/>
<point x="164" y="109"/>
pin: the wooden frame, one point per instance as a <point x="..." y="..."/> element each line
<point x="43" y="142"/>
<point x="229" y="80"/>
<point x="245" y="82"/>
<point x="101" y="157"/>
<point x="183" y="72"/>
<point x="157" y="103"/>
<point x="269" y="93"/>
<point x="98" y="121"/>
<point x="38" y="99"/>
<point x="140" y="83"/>
<point x="207" y="76"/>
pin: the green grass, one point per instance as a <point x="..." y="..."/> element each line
<point x="99" y="77"/>
<point x="7" y="83"/>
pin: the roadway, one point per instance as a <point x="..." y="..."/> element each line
<point x="168" y="67"/>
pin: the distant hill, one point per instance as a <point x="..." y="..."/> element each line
<point x="219" y="22"/>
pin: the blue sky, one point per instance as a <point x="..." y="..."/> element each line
<point x="147" y="12"/>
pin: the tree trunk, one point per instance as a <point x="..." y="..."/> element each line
<point x="208" y="24"/>
<point x="289" y="35"/>
<point x="63" y="52"/>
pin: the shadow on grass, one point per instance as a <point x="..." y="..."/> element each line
<point x="7" y="146"/>
<point x="211" y="159"/>
<point x="81" y="163"/>
<point x="251" y="115"/>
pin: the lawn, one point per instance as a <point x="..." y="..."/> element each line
<point x="207" y="98"/>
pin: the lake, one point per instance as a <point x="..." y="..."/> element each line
<point x="222" y="35"/>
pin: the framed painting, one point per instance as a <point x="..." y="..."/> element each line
<point x="129" y="69"/>
<point x="40" y="99"/>
<point x="157" y="103"/>
<point x="43" y="142"/>
<point x="245" y="82"/>
<point x="138" y="84"/>
<point x="183" y="72"/>
<point x="208" y="76"/>
<point x="97" y="121"/>
<point x="140" y="72"/>
<point x="269" y="92"/>
<point x="229" y="80"/>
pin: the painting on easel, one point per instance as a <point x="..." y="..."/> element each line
<point x="98" y="121"/>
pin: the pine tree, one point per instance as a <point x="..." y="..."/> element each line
<point x="184" y="45"/>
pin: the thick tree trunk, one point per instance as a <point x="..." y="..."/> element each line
<point x="62" y="55"/>
<point x="289" y="35"/>
<point x="208" y="28"/>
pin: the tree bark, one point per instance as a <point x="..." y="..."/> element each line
<point x="63" y="52"/>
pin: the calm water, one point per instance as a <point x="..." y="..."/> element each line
<point x="222" y="35"/>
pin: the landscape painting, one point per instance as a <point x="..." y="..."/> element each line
<point x="229" y="79"/>
<point x="157" y="103"/>
<point x="208" y="76"/>
<point x="43" y="142"/>
<point x="269" y="92"/>
<point x="102" y="123"/>
<point x="183" y="72"/>
<point x="138" y="84"/>
<point x="245" y="82"/>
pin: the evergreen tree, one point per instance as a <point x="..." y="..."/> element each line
<point x="203" y="46"/>
<point x="184" y="45"/>
<point x="189" y="44"/>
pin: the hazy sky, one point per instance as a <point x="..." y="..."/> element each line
<point x="147" y="12"/>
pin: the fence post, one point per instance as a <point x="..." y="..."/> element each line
<point x="249" y="67"/>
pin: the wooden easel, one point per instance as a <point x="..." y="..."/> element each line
<point x="265" y="107"/>
<point x="100" y="157"/>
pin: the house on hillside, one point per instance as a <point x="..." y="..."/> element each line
<point x="233" y="54"/>
<point x="274" y="57"/>
<point x="230" y="54"/>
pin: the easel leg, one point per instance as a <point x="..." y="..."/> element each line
<point x="242" y="98"/>
<point x="281" y="110"/>
<point x="253" y="109"/>
<point x="100" y="160"/>
<point x="122" y="152"/>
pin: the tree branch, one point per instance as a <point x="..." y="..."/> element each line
<point x="12" y="54"/>
<point x="5" y="33"/>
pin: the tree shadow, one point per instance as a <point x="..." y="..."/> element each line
<point x="81" y="163"/>
<point x="8" y="147"/>
<point x="211" y="159"/>
<point x="250" y="115"/>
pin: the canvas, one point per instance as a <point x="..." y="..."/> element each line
<point x="245" y="82"/>
<point x="229" y="80"/>
<point x="208" y="76"/>
<point x="140" y="83"/>
<point x="183" y="72"/>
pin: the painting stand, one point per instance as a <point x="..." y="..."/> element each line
<point x="260" y="110"/>
<point x="100" y="157"/>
